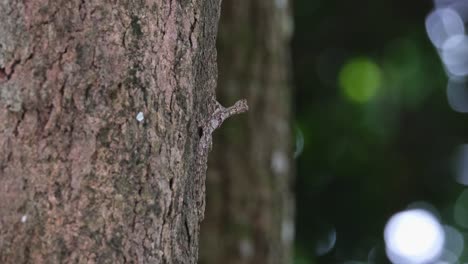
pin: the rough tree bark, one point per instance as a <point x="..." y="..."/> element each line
<point x="249" y="215"/>
<point x="82" y="180"/>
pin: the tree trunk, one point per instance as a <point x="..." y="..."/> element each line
<point x="249" y="216"/>
<point x="84" y="176"/>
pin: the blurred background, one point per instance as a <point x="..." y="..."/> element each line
<point x="373" y="94"/>
<point x="380" y="130"/>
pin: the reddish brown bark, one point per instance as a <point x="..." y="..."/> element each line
<point x="249" y="216"/>
<point x="81" y="179"/>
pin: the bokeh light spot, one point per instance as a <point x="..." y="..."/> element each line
<point x="299" y="142"/>
<point x="457" y="95"/>
<point x="454" y="55"/>
<point x="461" y="164"/>
<point x="454" y="244"/>
<point x="443" y="23"/>
<point x="425" y="206"/>
<point x="326" y="243"/>
<point x="360" y="78"/>
<point x="461" y="210"/>
<point x="413" y="236"/>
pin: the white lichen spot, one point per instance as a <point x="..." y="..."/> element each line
<point x="140" y="117"/>
<point x="24" y="218"/>
<point x="279" y="162"/>
<point x="246" y="248"/>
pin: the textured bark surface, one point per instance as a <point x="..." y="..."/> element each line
<point x="249" y="214"/>
<point x="81" y="179"/>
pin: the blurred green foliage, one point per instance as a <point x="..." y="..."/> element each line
<point x="360" y="78"/>
<point x="378" y="132"/>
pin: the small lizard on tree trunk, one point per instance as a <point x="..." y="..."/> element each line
<point x="204" y="146"/>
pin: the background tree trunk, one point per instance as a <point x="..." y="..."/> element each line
<point x="249" y="216"/>
<point x="81" y="179"/>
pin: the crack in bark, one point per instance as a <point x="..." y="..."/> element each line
<point x="51" y="17"/>
<point x="187" y="229"/>
<point x="3" y="74"/>
<point x="9" y="73"/>
<point x="18" y="122"/>
<point x="82" y="7"/>
<point x="9" y="156"/>
<point x="192" y="29"/>
<point x="135" y="205"/>
<point x="30" y="56"/>
<point x="61" y="54"/>
<point x="68" y="165"/>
